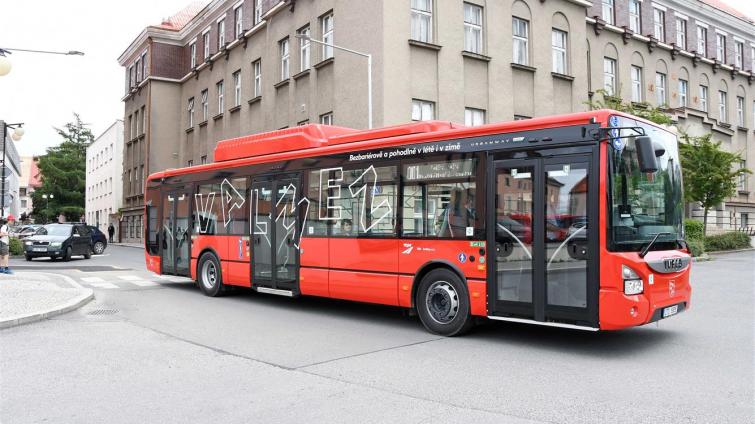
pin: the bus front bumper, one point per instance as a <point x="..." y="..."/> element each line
<point x="618" y="310"/>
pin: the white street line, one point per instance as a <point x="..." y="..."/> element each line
<point x="92" y="279"/>
<point x="144" y="283"/>
<point x="129" y="277"/>
<point x="105" y="285"/>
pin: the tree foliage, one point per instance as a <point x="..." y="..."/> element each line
<point x="710" y="173"/>
<point x="63" y="174"/>
<point x="642" y="109"/>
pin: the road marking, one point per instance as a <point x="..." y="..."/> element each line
<point x="105" y="285"/>
<point x="129" y="277"/>
<point x="144" y="283"/>
<point x="92" y="279"/>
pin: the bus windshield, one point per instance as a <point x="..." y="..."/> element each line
<point x="643" y="205"/>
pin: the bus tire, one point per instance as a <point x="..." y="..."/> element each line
<point x="443" y="303"/>
<point x="209" y="276"/>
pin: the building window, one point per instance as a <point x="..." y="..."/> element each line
<point x="304" y="48"/>
<point x="660" y="89"/>
<point x="739" y="52"/>
<point x="136" y="122"/>
<point x="636" y="74"/>
<point x="521" y="117"/>
<point x="608" y="11"/>
<point x="327" y="36"/>
<point x="682" y="93"/>
<point x="659" y="24"/>
<point x="326" y="118"/>
<point x="205" y="108"/>
<point x="257" y="11"/>
<point x="193" y="54"/>
<point x="138" y="66"/>
<point x="609" y="75"/>
<point x="190" y="110"/>
<point x="219" y="87"/>
<point x="221" y="34"/>
<point x="422" y="20"/>
<point x="520" y="28"/>
<point x="144" y="119"/>
<point x="704" y="98"/>
<point x="474" y="117"/>
<point x="722" y="114"/>
<point x="144" y="65"/>
<point x="742" y="184"/>
<point x="237" y="88"/>
<point x="190" y="162"/>
<point x="635" y="16"/>
<point x="238" y="21"/>
<point x="558" y="43"/>
<point x="702" y="41"/>
<point x="740" y="111"/>
<point x="681" y="33"/>
<point x="752" y="59"/>
<point x="472" y="28"/>
<point x="285" y="59"/>
<point x="422" y="110"/>
<point x="721" y="48"/>
<point x="257" y="77"/>
<point x="206" y="44"/>
<point x="203" y="159"/>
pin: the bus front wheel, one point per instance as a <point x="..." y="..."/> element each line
<point x="209" y="276"/>
<point x="443" y="303"/>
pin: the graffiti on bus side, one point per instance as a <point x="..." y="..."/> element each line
<point x="368" y="179"/>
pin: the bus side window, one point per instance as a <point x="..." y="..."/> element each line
<point x="152" y="233"/>
<point x="207" y="210"/>
<point x="367" y="202"/>
<point x="316" y="225"/>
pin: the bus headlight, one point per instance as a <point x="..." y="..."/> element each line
<point x="632" y="281"/>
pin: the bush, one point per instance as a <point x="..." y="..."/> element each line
<point x="693" y="229"/>
<point x="727" y="241"/>
<point x="15" y="247"/>
<point x="696" y="247"/>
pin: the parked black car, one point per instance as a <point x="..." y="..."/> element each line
<point x="99" y="240"/>
<point x="59" y="241"/>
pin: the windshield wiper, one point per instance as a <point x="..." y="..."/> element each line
<point x="646" y="249"/>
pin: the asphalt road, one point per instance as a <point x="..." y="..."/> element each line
<point x="162" y="352"/>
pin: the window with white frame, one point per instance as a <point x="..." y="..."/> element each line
<point x="205" y="105"/>
<point x="131" y="76"/>
<point x="422" y="20"/>
<point x="683" y="85"/>
<point x="257" y="11"/>
<point x="659" y="24"/>
<point x="742" y="177"/>
<point x="474" y="117"/>
<point x="609" y="75"/>
<point x="739" y="52"/>
<point x="660" y="89"/>
<point x="257" y="66"/>
<point x="193" y="53"/>
<point x="608" y="11"/>
<point x="190" y="111"/>
<point x="520" y="34"/>
<point x="740" y="111"/>
<point x="304" y="48"/>
<point x="473" y="28"/>
<point x="558" y="45"/>
<point x="206" y="44"/>
<point x="326" y="22"/>
<point x="721" y="48"/>
<point x="635" y="16"/>
<point x="704" y="98"/>
<point x="203" y="159"/>
<point x="285" y="59"/>
<point x="722" y="112"/>
<point x="422" y="110"/>
<point x="138" y="66"/>
<point x="144" y="119"/>
<point x="238" y="21"/>
<point x="326" y="118"/>
<point x="636" y="76"/>
<point x="220" y="89"/>
<point x="221" y="34"/>
<point x="144" y="65"/>
<point x="702" y="41"/>
<point x="237" y="88"/>
<point x="681" y="33"/>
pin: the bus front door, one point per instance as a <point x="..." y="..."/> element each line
<point x="275" y="258"/>
<point x="543" y="210"/>
<point x="175" y="237"/>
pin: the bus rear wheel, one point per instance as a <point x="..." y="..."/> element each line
<point x="442" y="303"/>
<point x="209" y="277"/>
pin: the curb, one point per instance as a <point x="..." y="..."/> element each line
<point x="723" y="252"/>
<point x="69" y="306"/>
<point x="127" y="245"/>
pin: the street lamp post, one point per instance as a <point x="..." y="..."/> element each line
<point x="47" y="201"/>
<point x="18" y="132"/>
<point x="5" y="64"/>
<point x="369" y="70"/>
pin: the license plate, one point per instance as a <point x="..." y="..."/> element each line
<point x="671" y="310"/>
<point x="40" y="249"/>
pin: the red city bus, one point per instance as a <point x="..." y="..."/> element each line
<point x="572" y="221"/>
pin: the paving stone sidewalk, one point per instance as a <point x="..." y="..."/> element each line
<point x="32" y="296"/>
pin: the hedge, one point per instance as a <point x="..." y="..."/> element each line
<point x="696" y="247"/>
<point x="15" y="247"/>
<point x="727" y="241"/>
<point x="693" y="229"/>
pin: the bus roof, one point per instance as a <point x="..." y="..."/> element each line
<point x="316" y="139"/>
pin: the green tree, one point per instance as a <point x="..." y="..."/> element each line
<point x="63" y="174"/>
<point x="710" y="173"/>
<point x="642" y="109"/>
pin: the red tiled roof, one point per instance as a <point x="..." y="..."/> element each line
<point x="723" y="6"/>
<point x="183" y="17"/>
<point x="34" y="175"/>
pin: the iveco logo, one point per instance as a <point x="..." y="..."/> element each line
<point x="673" y="264"/>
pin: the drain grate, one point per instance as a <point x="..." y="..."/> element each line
<point x="103" y="312"/>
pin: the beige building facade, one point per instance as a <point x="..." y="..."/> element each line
<point x="227" y="69"/>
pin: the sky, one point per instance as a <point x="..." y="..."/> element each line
<point x="43" y="90"/>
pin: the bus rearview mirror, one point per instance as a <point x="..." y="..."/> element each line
<point x="646" y="154"/>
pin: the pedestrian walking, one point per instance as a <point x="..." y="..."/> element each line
<point x="110" y="232"/>
<point x="4" y="247"/>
